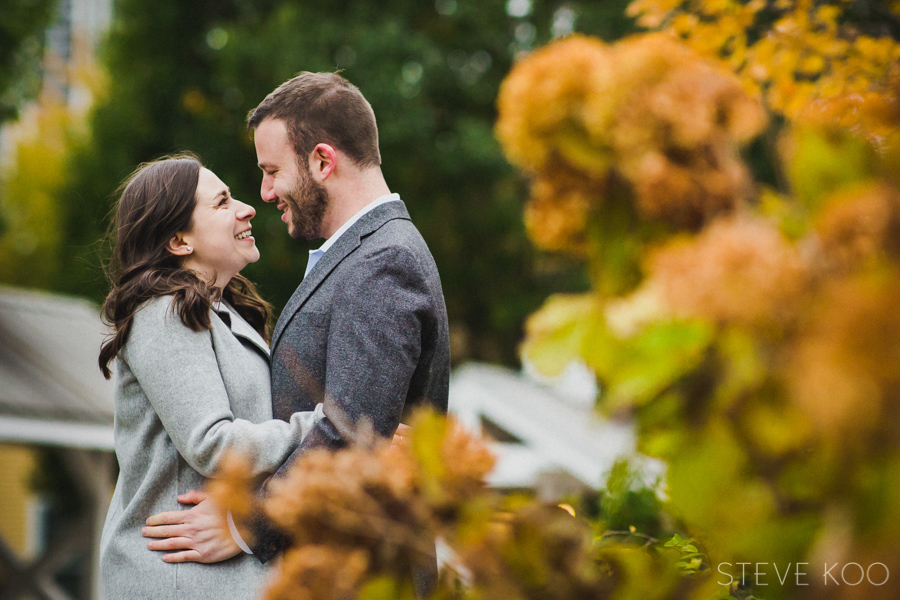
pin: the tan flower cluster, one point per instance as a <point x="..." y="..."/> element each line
<point x="737" y="271"/>
<point x="646" y="112"/>
<point x="843" y="372"/>
<point x="561" y="203"/>
<point x="860" y="225"/>
<point x="544" y="102"/>
<point x="365" y="512"/>
<point x="232" y="486"/>
<point x="459" y="476"/>
<point x="350" y="498"/>
<point x="678" y="135"/>
<point x="538" y="552"/>
<point x="319" y="572"/>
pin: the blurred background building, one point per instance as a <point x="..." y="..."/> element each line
<point x="56" y="411"/>
<point x="56" y="442"/>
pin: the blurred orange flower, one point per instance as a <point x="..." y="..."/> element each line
<point x="737" y="271"/>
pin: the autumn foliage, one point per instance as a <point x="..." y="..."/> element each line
<point x="749" y="330"/>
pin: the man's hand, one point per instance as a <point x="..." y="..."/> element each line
<point x="197" y="535"/>
<point x="401" y="436"/>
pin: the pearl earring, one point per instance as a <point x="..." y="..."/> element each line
<point x="189" y="249"/>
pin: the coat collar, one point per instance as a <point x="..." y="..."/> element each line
<point x="343" y="247"/>
<point x="239" y="327"/>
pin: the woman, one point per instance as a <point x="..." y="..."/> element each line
<point x="192" y="371"/>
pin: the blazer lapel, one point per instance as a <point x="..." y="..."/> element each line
<point x="343" y="247"/>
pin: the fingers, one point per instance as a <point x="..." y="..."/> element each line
<point x="175" y="517"/>
<point x="164" y="531"/>
<point x="181" y="557"/>
<point x="401" y="436"/>
<point x="193" y="497"/>
<point x="175" y="543"/>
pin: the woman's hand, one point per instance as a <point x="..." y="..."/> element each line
<point x="197" y="535"/>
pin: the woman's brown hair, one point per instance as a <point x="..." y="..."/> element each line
<point x="157" y="202"/>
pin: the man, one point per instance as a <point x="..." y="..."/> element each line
<point x="366" y="331"/>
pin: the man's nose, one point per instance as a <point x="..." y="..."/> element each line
<point x="267" y="191"/>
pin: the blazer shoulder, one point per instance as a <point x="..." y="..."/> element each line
<point x="397" y="235"/>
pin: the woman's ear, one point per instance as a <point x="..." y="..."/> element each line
<point x="179" y="246"/>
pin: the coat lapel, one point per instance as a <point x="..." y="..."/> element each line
<point x="343" y="247"/>
<point x="241" y="328"/>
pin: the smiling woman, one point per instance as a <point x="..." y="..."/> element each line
<point x="219" y="242"/>
<point x="188" y="335"/>
<point x="176" y="234"/>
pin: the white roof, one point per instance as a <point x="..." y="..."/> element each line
<point x="557" y="433"/>
<point x="51" y="388"/>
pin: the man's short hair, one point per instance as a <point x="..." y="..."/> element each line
<point x="323" y="108"/>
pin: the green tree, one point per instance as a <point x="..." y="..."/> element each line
<point x="184" y="76"/>
<point x="22" y="28"/>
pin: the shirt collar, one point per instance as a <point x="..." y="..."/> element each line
<point x="365" y="209"/>
<point x="315" y="255"/>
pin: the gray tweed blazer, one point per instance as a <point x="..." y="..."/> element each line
<point x="365" y="335"/>
<point x="181" y="399"/>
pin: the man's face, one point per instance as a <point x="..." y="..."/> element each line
<point x="288" y="182"/>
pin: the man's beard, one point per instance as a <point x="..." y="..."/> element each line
<point x="308" y="202"/>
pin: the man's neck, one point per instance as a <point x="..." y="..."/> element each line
<point x="351" y="197"/>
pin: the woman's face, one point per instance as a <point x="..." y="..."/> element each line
<point x="220" y="232"/>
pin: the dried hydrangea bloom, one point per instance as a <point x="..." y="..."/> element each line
<point x="648" y="111"/>
<point x="688" y="192"/>
<point x="698" y="102"/>
<point x="561" y="202"/>
<point x="367" y="511"/>
<point x="233" y="486"/>
<point x="356" y="497"/>
<point x="316" y="572"/>
<point x="860" y="225"/>
<point x="678" y="137"/>
<point x="542" y="102"/>
<point x="843" y="372"/>
<point x="737" y="271"/>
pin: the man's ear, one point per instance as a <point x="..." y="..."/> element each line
<point x="179" y="246"/>
<point x="323" y="161"/>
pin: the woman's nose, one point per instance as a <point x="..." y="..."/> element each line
<point x="244" y="211"/>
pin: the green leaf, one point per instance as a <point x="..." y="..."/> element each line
<point x="555" y="335"/>
<point x="821" y="161"/>
<point x="652" y="360"/>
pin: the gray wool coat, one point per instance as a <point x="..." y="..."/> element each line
<point x="181" y="399"/>
<point x="365" y="335"/>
